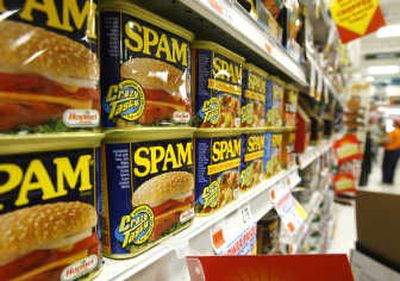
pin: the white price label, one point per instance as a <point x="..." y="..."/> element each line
<point x="246" y="215"/>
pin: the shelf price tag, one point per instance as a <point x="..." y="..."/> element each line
<point x="267" y="47"/>
<point x="278" y="191"/>
<point x="246" y="215"/>
<point x="216" y="6"/>
<point x="293" y="179"/>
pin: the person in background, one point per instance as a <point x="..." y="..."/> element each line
<point x="392" y="153"/>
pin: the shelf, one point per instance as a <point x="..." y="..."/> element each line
<point x="312" y="153"/>
<point x="287" y="129"/>
<point x="311" y="208"/>
<point x="228" y="24"/>
<point x="168" y="258"/>
<point x="327" y="81"/>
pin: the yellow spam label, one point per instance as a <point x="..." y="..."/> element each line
<point x="153" y="42"/>
<point x="276" y="140"/>
<point x="63" y="15"/>
<point x="161" y="158"/>
<point x="32" y="179"/>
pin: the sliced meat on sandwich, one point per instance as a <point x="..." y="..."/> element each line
<point x="37" y="243"/>
<point x="42" y="74"/>
<point x="168" y="195"/>
<point x="166" y="88"/>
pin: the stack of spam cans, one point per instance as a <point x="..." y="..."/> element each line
<point x="49" y="148"/>
<point x="160" y="129"/>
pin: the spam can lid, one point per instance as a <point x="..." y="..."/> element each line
<point x="276" y="80"/>
<point x="212" y="46"/>
<point x="278" y="130"/>
<point x="148" y="134"/>
<point x="17" y="144"/>
<point x="256" y="69"/>
<point x="127" y="7"/>
<point x="254" y="130"/>
<point x="223" y="132"/>
<point x="291" y="87"/>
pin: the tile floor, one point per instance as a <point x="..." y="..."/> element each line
<point x="344" y="234"/>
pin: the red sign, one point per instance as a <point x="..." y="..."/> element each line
<point x="348" y="148"/>
<point x="344" y="182"/>
<point x="270" y="268"/>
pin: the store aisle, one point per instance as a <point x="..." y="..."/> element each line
<point x="344" y="233"/>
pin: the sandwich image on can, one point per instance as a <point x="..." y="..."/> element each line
<point x="149" y="188"/>
<point x="49" y="207"/>
<point x="34" y="240"/>
<point x="146" y="69"/>
<point x="49" y="73"/>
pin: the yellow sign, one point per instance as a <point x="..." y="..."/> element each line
<point x="356" y="18"/>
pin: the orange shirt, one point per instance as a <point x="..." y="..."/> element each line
<point x="394" y="140"/>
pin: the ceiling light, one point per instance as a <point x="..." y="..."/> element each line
<point x="383" y="69"/>
<point x="389" y="31"/>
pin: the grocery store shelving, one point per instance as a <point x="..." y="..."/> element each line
<point x="311" y="208"/>
<point x="326" y="79"/>
<point x="312" y="153"/>
<point x="227" y="23"/>
<point x="168" y="258"/>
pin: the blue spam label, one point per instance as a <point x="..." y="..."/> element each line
<point x="275" y="106"/>
<point x="149" y="189"/>
<point x="272" y="154"/>
<point x="48" y="184"/>
<point x="253" y="99"/>
<point x="145" y="73"/>
<point x="251" y="164"/>
<point x="218" y="90"/>
<point x="268" y="104"/>
<point x="217" y="172"/>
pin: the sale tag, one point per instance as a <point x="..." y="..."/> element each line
<point x="291" y="213"/>
<point x="218" y="238"/>
<point x="356" y="18"/>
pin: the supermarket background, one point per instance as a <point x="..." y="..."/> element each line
<point x="309" y="89"/>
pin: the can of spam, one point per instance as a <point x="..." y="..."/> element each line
<point x="148" y="188"/>
<point x="272" y="154"/>
<point x="291" y="100"/>
<point x="253" y="142"/>
<point x="253" y="96"/>
<point x="49" y="69"/>
<point x="288" y="142"/>
<point x="275" y="108"/>
<point x="145" y="68"/>
<point x="49" y="206"/>
<point x="217" y="82"/>
<point x="217" y="155"/>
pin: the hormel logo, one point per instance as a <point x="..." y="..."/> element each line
<point x="78" y="118"/>
<point x="79" y="268"/>
<point x="181" y="116"/>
